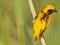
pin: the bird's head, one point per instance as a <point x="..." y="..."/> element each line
<point x="49" y="9"/>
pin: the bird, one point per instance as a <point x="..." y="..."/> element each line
<point x="42" y="20"/>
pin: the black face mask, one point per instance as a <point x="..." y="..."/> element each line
<point x="50" y="11"/>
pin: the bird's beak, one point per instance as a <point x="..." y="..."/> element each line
<point x="55" y="10"/>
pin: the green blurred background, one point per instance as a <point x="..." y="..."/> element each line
<point x="16" y="23"/>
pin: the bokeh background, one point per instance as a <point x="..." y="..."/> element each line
<point x="16" y="26"/>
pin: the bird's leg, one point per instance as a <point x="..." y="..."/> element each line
<point x="41" y="33"/>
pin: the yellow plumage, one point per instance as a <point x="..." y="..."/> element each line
<point x="42" y="20"/>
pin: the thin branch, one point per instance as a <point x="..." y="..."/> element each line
<point x="43" y="40"/>
<point x="32" y="8"/>
<point x="34" y="14"/>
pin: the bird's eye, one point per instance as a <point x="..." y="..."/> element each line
<point x="50" y="11"/>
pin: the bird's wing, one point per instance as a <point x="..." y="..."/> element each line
<point x="38" y="27"/>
